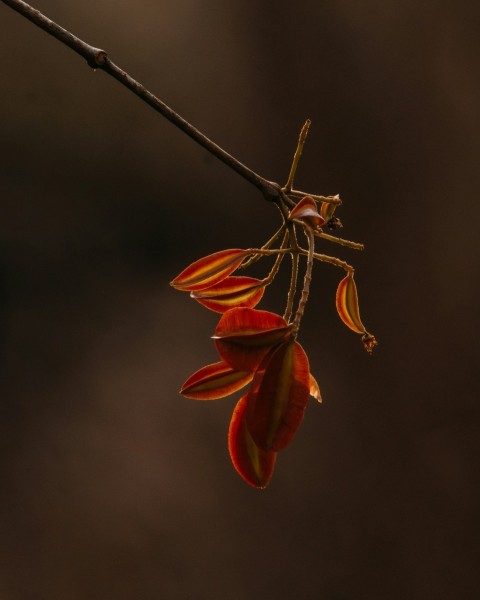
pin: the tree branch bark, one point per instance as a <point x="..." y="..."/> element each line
<point x="99" y="59"/>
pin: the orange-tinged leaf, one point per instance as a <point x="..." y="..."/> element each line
<point x="315" y="389"/>
<point x="243" y="336"/>
<point x="230" y="293"/>
<point x="327" y="209"/>
<point x="278" y="396"/>
<point x="347" y="304"/>
<point x="306" y="211"/>
<point x="251" y="462"/>
<point x="215" y="381"/>
<point x="209" y="270"/>
<point x="347" y="307"/>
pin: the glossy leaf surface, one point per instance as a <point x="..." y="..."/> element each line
<point x="347" y="304"/>
<point x="251" y="462"/>
<point x="306" y="211"/>
<point x="278" y="396"/>
<point x="244" y="336"/>
<point x="209" y="270"/>
<point x="215" y="381"/>
<point x="230" y="293"/>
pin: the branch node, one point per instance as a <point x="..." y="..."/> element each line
<point x="271" y="191"/>
<point x="97" y="58"/>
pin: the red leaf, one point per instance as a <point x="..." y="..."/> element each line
<point x="306" y="211"/>
<point x="230" y="293"/>
<point x="209" y="270"/>
<point x="243" y="336"/>
<point x="251" y="462"/>
<point x="278" y="396"/>
<point x="215" y="381"/>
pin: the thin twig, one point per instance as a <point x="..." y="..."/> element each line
<point x="294" y="275"/>
<point x="340" y="241"/>
<point x="333" y="261"/>
<point x="328" y="199"/>
<point x="292" y="289"/>
<point x="298" y="153"/>
<point x="99" y="59"/>
<point x="265" y="246"/>
<point x="306" y="282"/>
<point x="275" y="251"/>
<point x="278" y="261"/>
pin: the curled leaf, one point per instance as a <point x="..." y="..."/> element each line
<point x="315" y="389"/>
<point x="209" y="270"/>
<point x="306" y="211"/>
<point x="348" y="310"/>
<point x="243" y="336"/>
<point x="251" y="462"/>
<point x="347" y="304"/>
<point x="215" y="381"/>
<point x="230" y="293"/>
<point x="328" y="208"/>
<point x="278" y="396"/>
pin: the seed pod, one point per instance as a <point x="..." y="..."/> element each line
<point x="209" y="270"/>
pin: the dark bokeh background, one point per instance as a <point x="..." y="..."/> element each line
<point x="114" y="486"/>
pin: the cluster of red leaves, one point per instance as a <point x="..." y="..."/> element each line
<point x="255" y="347"/>
<point x="259" y="349"/>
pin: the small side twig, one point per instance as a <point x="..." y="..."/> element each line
<point x="298" y="153"/>
<point x="328" y="199"/>
<point x="278" y="261"/>
<point x="306" y="283"/>
<point x="333" y="260"/>
<point x="340" y="241"/>
<point x="292" y="289"/>
<point x="256" y="257"/>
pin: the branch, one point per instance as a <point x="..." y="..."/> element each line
<point x="298" y="153"/>
<point x="99" y="59"/>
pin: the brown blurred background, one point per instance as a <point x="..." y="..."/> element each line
<point x="113" y="485"/>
